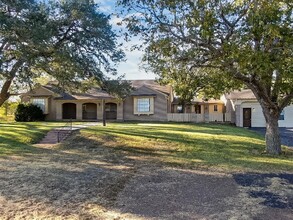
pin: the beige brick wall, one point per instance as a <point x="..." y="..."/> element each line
<point x="79" y="103"/>
<point x="39" y="93"/>
<point x="160" y="107"/>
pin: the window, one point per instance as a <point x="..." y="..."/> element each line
<point x="215" y="108"/>
<point x="282" y="116"/>
<point x="143" y="105"/>
<point x="40" y="102"/>
<point x="179" y="109"/>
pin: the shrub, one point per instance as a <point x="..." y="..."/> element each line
<point x="29" y="112"/>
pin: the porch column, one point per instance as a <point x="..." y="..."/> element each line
<point x="120" y="110"/>
<point x="78" y="111"/>
<point x="58" y="111"/>
<point x="99" y="111"/>
<point x="206" y="112"/>
<point x="104" y="113"/>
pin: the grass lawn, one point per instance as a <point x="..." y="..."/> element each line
<point x="210" y="146"/>
<point x="137" y="171"/>
<point x="17" y="138"/>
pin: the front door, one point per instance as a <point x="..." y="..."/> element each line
<point x="247" y="117"/>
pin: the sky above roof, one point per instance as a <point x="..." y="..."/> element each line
<point x="132" y="66"/>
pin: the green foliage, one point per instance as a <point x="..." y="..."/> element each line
<point x="7" y="110"/>
<point x="69" y="40"/>
<point x="231" y="43"/>
<point x="119" y="88"/>
<point x="28" y="113"/>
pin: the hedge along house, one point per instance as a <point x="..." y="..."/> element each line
<point x="148" y="101"/>
<point x="246" y="111"/>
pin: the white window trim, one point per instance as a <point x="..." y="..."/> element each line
<point x="46" y="110"/>
<point x="135" y="105"/>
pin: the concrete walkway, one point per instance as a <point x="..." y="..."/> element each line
<point x="58" y="135"/>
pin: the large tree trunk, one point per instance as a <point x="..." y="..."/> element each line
<point x="273" y="140"/>
<point x="271" y="112"/>
<point x="4" y="94"/>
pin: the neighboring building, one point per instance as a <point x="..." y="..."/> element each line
<point x="206" y="110"/>
<point x="199" y="106"/>
<point x="149" y="101"/>
<point x="246" y="111"/>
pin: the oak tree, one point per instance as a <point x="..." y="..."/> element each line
<point x="69" y="40"/>
<point x="247" y="42"/>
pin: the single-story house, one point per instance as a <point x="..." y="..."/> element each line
<point x="246" y="111"/>
<point x="148" y="101"/>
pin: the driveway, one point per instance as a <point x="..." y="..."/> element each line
<point x="285" y="133"/>
<point x="87" y="180"/>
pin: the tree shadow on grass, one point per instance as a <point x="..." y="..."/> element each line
<point x="10" y="146"/>
<point x="224" y="150"/>
<point x="16" y="138"/>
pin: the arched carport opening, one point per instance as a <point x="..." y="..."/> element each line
<point x="111" y="110"/>
<point x="89" y="111"/>
<point x="68" y="111"/>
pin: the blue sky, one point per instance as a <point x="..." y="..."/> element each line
<point x="131" y="68"/>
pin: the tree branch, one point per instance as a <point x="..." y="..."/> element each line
<point x="286" y="100"/>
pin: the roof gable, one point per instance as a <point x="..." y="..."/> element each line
<point x="145" y="91"/>
<point x="151" y="84"/>
<point x="40" y="91"/>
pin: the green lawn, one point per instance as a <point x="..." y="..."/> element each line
<point x="17" y="138"/>
<point x="211" y="146"/>
<point x="220" y="147"/>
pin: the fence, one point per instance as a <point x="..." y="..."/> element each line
<point x="197" y="118"/>
<point x="185" y="117"/>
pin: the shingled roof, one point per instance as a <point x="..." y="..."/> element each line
<point x="93" y="93"/>
<point x="243" y="94"/>
<point x="151" y="84"/>
<point x="97" y="93"/>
